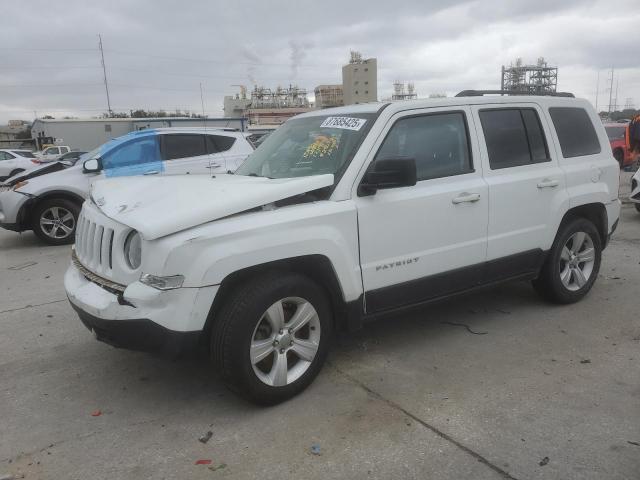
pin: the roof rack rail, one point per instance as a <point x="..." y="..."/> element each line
<point x="480" y="93"/>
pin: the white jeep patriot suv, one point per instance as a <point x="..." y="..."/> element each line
<point x="342" y="215"/>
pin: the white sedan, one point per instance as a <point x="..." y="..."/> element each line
<point x="13" y="162"/>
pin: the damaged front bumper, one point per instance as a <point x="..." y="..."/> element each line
<point x="141" y="318"/>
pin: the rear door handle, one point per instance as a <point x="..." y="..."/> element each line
<point x="548" y="183"/>
<point x="213" y="165"/>
<point x="466" y="198"/>
<point x="152" y="172"/>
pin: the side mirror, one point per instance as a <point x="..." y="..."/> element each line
<point x="388" y="173"/>
<point x="92" y="165"/>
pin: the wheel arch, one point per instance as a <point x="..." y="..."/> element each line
<point x="63" y="194"/>
<point x="317" y="267"/>
<point x="596" y="213"/>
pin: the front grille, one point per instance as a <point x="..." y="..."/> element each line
<point x="112" y="287"/>
<point x="94" y="245"/>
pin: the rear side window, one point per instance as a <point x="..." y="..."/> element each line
<point x="25" y="153"/>
<point x="438" y="143"/>
<point x="575" y="131"/>
<point x="180" y="145"/>
<point x="514" y="137"/>
<point x="219" y="143"/>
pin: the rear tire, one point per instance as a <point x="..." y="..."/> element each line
<point x="260" y="330"/>
<point x="573" y="263"/>
<point x="54" y="221"/>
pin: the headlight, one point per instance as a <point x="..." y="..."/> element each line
<point x="133" y="250"/>
<point x="162" y="283"/>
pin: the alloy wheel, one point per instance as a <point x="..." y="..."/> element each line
<point x="285" y="341"/>
<point x="577" y="261"/>
<point x="57" y="222"/>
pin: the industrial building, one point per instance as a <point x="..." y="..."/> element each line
<point x="531" y="79"/>
<point x="402" y="91"/>
<point x="87" y="134"/>
<point x="266" y="108"/>
<point x="360" y="80"/>
<point x="328" y="96"/>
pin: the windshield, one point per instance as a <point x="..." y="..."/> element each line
<point x="615" y="133"/>
<point x="308" y="146"/>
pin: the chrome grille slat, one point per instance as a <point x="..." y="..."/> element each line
<point x="99" y="246"/>
<point x="97" y="249"/>
<point x="92" y="277"/>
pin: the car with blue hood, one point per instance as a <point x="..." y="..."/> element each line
<point x="48" y="200"/>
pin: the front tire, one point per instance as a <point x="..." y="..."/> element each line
<point x="54" y="221"/>
<point x="573" y="263"/>
<point x="271" y="336"/>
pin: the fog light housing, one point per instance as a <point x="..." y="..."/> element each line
<point x="162" y="283"/>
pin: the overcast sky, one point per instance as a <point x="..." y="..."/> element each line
<point x="158" y="52"/>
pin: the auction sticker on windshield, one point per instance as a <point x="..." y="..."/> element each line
<point x="347" y="123"/>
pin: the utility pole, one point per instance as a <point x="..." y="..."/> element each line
<point x="204" y="119"/>
<point x="597" y="91"/>
<point x="615" y="99"/>
<point x="104" y="71"/>
<point x="611" y="90"/>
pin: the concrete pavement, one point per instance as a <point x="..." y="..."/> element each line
<point x="537" y="392"/>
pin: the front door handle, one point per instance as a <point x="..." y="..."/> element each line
<point x="213" y="165"/>
<point x="152" y="172"/>
<point x="466" y="197"/>
<point x="548" y="183"/>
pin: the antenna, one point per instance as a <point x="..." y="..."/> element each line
<point x="104" y="71"/>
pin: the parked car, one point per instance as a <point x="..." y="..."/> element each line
<point x="617" y="139"/>
<point x="13" y="162"/>
<point x="71" y="157"/>
<point x="635" y="190"/>
<point x="53" y="152"/>
<point x="340" y="216"/>
<point x="49" y="203"/>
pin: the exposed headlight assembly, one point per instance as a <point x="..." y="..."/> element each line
<point x="162" y="283"/>
<point x="133" y="250"/>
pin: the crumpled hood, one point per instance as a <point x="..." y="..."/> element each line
<point x="160" y="205"/>
<point x="38" y="171"/>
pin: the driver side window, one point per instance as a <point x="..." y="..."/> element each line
<point x="439" y="143"/>
<point x="139" y="151"/>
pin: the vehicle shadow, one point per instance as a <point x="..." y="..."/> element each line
<point x="194" y="381"/>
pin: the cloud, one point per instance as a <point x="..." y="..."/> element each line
<point x="158" y="52"/>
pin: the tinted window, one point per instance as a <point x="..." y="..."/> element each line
<point x="182" y="146"/>
<point x="616" y="133"/>
<point x="5" y="156"/>
<point x="136" y="152"/>
<point x="219" y="143"/>
<point x="438" y="143"/>
<point x="513" y="137"/>
<point x="575" y="131"/>
<point x="24" y="153"/>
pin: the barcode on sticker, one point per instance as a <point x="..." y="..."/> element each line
<point x="347" y="123"/>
